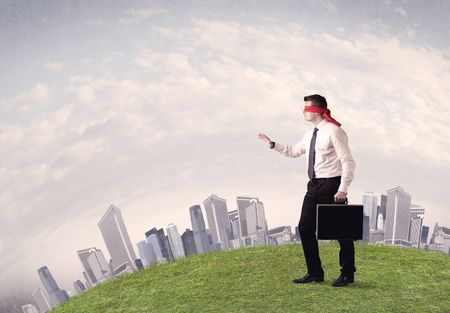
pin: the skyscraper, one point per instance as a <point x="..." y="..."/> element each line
<point x="381" y="215"/>
<point x="416" y="223"/>
<point x="188" y="242"/>
<point x="175" y="241"/>
<point x="83" y="255"/>
<point x="251" y="211"/>
<point x="42" y="300"/>
<point x="56" y="295"/>
<point x="199" y="229"/>
<point x="79" y="286"/>
<point x="218" y="222"/>
<point x="235" y="239"/>
<point x="153" y="240"/>
<point x="88" y="282"/>
<point x="242" y="204"/>
<point x="398" y="208"/>
<point x="234" y="223"/>
<point x="99" y="265"/>
<point x="163" y="242"/>
<point x="369" y="201"/>
<point x="146" y="252"/>
<point x="117" y="240"/>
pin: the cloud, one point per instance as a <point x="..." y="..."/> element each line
<point x="26" y="101"/>
<point x="55" y="67"/>
<point x="401" y="11"/>
<point x="135" y="15"/>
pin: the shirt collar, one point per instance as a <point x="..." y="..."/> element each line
<point x="322" y="124"/>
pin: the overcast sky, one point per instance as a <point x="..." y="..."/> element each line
<point x="155" y="105"/>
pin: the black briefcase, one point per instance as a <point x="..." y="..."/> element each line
<point x="339" y="221"/>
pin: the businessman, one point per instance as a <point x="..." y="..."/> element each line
<point x="330" y="170"/>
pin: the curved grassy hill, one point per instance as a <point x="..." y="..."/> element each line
<point x="388" y="279"/>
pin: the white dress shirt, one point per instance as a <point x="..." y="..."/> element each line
<point x="333" y="157"/>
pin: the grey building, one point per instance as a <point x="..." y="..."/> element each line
<point x="83" y="255"/>
<point x="235" y="235"/>
<point x="117" y="240"/>
<point x="100" y="267"/>
<point x="242" y="204"/>
<point x="199" y="229"/>
<point x="424" y="236"/>
<point x="398" y="208"/>
<point x="146" y="252"/>
<point x="381" y="212"/>
<point x="42" y="300"/>
<point x="416" y="222"/>
<point x="218" y="222"/>
<point x="79" y="286"/>
<point x="234" y="223"/>
<point x="163" y="242"/>
<point x="56" y="295"/>
<point x="189" y="242"/>
<point x="370" y="203"/>
<point x="175" y="241"/>
<point x="366" y="228"/>
<point x="87" y="280"/>
<point x="256" y="224"/>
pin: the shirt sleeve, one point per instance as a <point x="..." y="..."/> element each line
<point x="291" y="151"/>
<point x="340" y="144"/>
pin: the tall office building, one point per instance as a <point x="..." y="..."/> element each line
<point x="424" y="237"/>
<point x="88" y="282"/>
<point x="416" y="222"/>
<point x="234" y="223"/>
<point x="29" y="308"/>
<point x="163" y="242"/>
<point x="242" y="204"/>
<point x="398" y="208"/>
<point x="117" y="240"/>
<point x="42" y="300"/>
<point x="218" y="222"/>
<point x="199" y="229"/>
<point x="153" y="240"/>
<point x="256" y="218"/>
<point x="370" y="202"/>
<point x="99" y="265"/>
<point x="78" y="286"/>
<point x="83" y="255"/>
<point x="56" y="295"/>
<point x="175" y="241"/>
<point x="146" y="252"/>
<point x="381" y="213"/>
<point x="188" y="242"/>
<point x="235" y="239"/>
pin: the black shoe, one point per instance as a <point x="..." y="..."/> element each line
<point x="308" y="279"/>
<point x="343" y="280"/>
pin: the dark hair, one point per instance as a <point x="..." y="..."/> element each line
<point x="317" y="101"/>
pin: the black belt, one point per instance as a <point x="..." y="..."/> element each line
<point x="325" y="178"/>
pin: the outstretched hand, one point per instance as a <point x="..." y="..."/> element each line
<point x="264" y="138"/>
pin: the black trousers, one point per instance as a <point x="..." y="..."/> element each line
<point x="322" y="191"/>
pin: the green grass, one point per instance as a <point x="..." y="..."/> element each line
<point x="388" y="279"/>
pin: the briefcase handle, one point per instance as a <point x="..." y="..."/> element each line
<point x="345" y="202"/>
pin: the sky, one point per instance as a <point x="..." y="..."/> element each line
<point x="155" y="105"/>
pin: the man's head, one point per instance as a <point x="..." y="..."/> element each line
<point x="314" y="101"/>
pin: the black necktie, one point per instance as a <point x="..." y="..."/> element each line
<point x="312" y="154"/>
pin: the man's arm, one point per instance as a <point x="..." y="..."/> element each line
<point x="340" y="144"/>
<point x="291" y="151"/>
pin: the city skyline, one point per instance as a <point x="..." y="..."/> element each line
<point x="101" y="270"/>
<point x="153" y="105"/>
